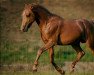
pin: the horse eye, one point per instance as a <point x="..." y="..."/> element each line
<point x="28" y="15"/>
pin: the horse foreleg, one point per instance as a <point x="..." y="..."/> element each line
<point x="40" y="51"/>
<point x="80" y="54"/>
<point x="51" y="53"/>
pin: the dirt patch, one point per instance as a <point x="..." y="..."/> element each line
<point x="80" y="67"/>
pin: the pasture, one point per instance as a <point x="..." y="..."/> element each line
<point x="44" y="73"/>
<point x="20" y="49"/>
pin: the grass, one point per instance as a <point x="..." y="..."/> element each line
<point x="17" y="47"/>
<point x="44" y="73"/>
<point x="25" y="52"/>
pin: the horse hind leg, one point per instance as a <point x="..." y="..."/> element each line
<point x="80" y="54"/>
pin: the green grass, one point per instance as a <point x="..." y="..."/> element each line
<point x="19" y="52"/>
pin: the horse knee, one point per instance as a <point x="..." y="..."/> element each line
<point x="79" y="56"/>
<point x="40" y="51"/>
<point x="82" y="53"/>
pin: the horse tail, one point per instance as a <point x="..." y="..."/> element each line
<point x="90" y="33"/>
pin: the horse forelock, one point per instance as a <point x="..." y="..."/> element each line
<point x="30" y="6"/>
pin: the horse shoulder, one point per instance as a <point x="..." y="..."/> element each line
<point x="51" y="29"/>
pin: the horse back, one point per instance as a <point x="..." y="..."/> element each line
<point x="72" y="31"/>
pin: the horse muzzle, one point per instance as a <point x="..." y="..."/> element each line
<point x="24" y="29"/>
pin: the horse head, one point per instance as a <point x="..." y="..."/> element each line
<point x="28" y="17"/>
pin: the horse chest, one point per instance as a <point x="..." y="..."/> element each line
<point x="45" y="32"/>
<point x="44" y="35"/>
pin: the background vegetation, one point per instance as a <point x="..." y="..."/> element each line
<point x="21" y="48"/>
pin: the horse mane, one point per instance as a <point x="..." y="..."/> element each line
<point x="43" y="8"/>
<point x="37" y="6"/>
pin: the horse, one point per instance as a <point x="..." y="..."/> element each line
<point x="56" y="30"/>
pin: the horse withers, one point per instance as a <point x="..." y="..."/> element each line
<point x="58" y="31"/>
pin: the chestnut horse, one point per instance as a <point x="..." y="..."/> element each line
<point x="58" y="31"/>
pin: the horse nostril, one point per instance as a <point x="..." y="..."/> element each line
<point x="21" y="30"/>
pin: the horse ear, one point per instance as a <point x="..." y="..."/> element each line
<point x="30" y="6"/>
<point x="26" y="5"/>
<point x="34" y="5"/>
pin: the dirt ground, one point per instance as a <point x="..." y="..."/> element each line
<point x="80" y="67"/>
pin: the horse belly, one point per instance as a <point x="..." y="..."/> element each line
<point x="70" y="37"/>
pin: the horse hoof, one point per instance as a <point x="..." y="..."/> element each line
<point x="34" y="69"/>
<point x="72" y="67"/>
<point x="63" y="73"/>
<point x="71" y="71"/>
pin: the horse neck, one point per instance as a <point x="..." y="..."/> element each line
<point x="42" y="15"/>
